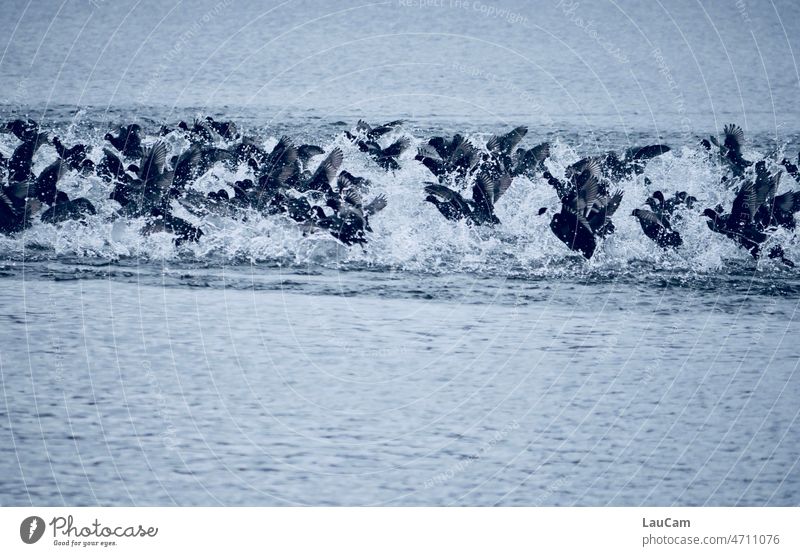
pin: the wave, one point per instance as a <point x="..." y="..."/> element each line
<point x="409" y="234"/>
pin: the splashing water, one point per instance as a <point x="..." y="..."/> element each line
<point x="410" y="234"/>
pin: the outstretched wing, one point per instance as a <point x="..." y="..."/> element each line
<point x="154" y="160"/>
<point x="613" y="203"/>
<point x="734" y="138"/>
<point x="504" y="144"/>
<point x="396" y="148"/>
<point x="327" y="170"/>
<point x="375" y="205"/>
<point x="745" y="204"/>
<point x="648" y="152"/>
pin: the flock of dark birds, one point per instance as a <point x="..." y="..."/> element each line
<point x="467" y="181"/>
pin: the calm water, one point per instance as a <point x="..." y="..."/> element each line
<point x="595" y="64"/>
<point x="275" y="387"/>
<point x="441" y="364"/>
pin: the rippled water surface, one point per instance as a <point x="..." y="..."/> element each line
<point x="259" y="386"/>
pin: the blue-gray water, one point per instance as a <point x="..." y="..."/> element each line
<point x="441" y="364"/>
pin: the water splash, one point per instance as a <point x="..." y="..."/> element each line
<point x="409" y="234"/>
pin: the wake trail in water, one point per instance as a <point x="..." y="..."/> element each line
<point x="409" y="234"/>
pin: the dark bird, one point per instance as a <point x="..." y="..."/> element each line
<point x="661" y="205"/>
<point x="73" y="156"/>
<point x="633" y="161"/>
<point x="226" y="130"/>
<point x="791" y="167"/>
<point x="385" y="157"/>
<point x="150" y="188"/>
<point x="16" y="213"/>
<point x="503" y="145"/>
<point x="657" y="227"/>
<point x="21" y="163"/>
<point x="530" y="162"/>
<point x="24" y="130"/>
<point x="350" y="219"/>
<point x="730" y="150"/>
<point x="373" y="133"/>
<point x="306" y="152"/>
<point x="480" y="209"/>
<point x="498" y="157"/>
<point x="750" y="215"/>
<point x="783" y="209"/>
<point x="275" y="172"/>
<point x="127" y="141"/>
<point x="443" y="158"/>
<point x="450" y="203"/>
<point x="248" y="151"/>
<point x="161" y="221"/>
<point x="196" y="161"/>
<point x="585" y="213"/>
<point x="200" y="132"/>
<point x="110" y="167"/>
<point x="326" y="172"/>
<point x="614" y="167"/>
<point x="64" y="209"/>
<point x="44" y="187"/>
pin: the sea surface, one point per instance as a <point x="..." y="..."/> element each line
<point x="441" y="363"/>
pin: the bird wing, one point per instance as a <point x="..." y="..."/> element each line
<point x="345" y="181"/>
<point x="463" y="154"/>
<point x="483" y="192"/>
<point x="327" y="169"/>
<point x="280" y="163"/>
<point x="648" y="152"/>
<point x="154" y="160"/>
<point x="441" y="191"/>
<point x="396" y="148"/>
<point x="385" y="128"/>
<point x="279" y="150"/>
<point x="586" y="186"/>
<point x="449" y="195"/>
<point x="745" y="205"/>
<point x="362" y="126"/>
<point x="788" y="202"/>
<point x="504" y="144"/>
<point x="440" y="146"/>
<point x="540" y="152"/>
<point x="375" y="205"/>
<point x="306" y="152"/>
<point x="44" y="188"/>
<point x="21" y="161"/>
<point x="501" y="185"/>
<point x="652" y="224"/>
<point x="734" y="137"/>
<point x="7" y="203"/>
<point x="590" y="164"/>
<point x="353" y="198"/>
<point x="613" y="203"/>
<point x="766" y="184"/>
